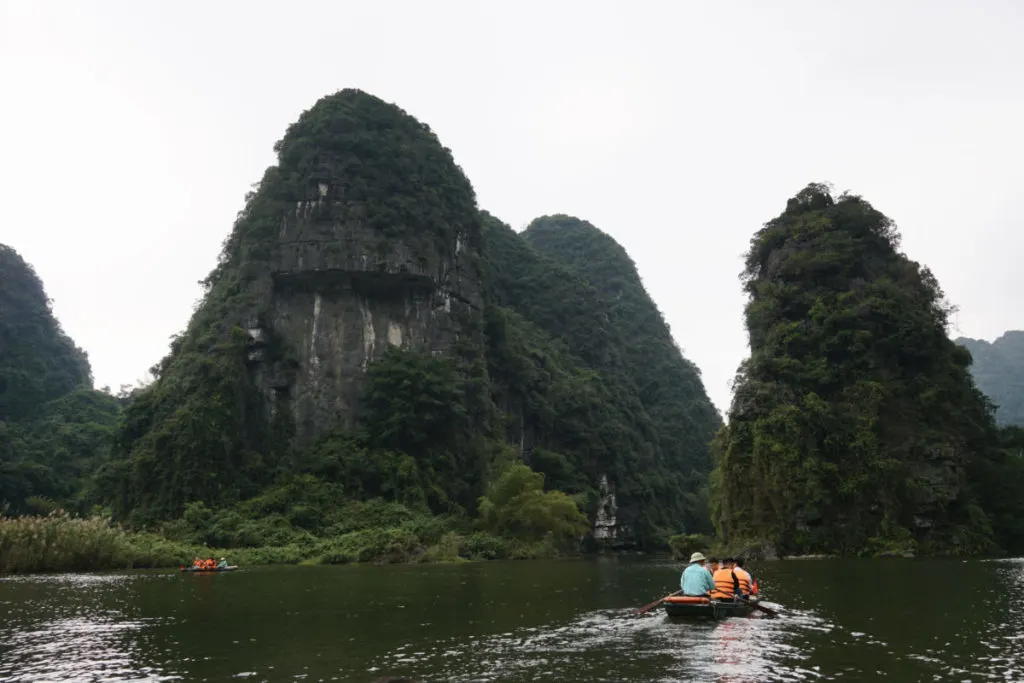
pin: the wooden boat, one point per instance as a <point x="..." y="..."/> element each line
<point x="197" y="570"/>
<point x="688" y="607"/>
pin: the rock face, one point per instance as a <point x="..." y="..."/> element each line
<point x="365" y="235"/>
<point x="343" y="284"/>
<point x="340" y="297"/>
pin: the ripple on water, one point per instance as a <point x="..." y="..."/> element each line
<point x="615" y="647"/>
<point x="76" y="649"/>
<point x="65" y="633"/>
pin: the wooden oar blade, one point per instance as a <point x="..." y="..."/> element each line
<point x="647" y="608"/>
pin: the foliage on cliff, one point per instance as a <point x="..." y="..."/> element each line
<point x="998" y="370"/>
<point x="591" y="417"/>
<point x="38" y="362"/>
<point x="386" y="169"/>
<point x="490" y="447"/>
<point x="201" y="431"/>
<point x="54" y="428"/>
<point x="855" y="422"/>
<point x="668" y="385"/>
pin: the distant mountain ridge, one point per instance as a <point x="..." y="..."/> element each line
<point x="998" y="370"/>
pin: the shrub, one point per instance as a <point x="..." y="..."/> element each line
<point x="516" y="505"/>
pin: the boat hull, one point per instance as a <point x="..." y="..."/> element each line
<point x="703" y="608"/>
<point x="193" y="570"/>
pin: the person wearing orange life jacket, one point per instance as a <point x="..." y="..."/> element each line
<point x="744" y="580"/>
<point x="726" y="583"/>
<point x="755" y="589"/>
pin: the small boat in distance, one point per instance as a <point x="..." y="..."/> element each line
<point x="689" y="607"/>
<point x="201" y="570"/>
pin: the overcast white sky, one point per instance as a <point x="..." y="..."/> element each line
<point x="131" y="130"/>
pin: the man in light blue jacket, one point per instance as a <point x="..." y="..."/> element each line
<point x="696" y="580"/>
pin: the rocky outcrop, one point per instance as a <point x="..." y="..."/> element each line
<point x="363" y="237"/>
<point x="339" y="295"/>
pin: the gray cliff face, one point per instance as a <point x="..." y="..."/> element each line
<point x="338" y="296"/>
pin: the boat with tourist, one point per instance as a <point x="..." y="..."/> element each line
<point x="696" y="607"/>
<point x="204" y="570"/>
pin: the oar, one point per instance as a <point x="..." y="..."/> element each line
<point x="647" y="608"/>
<point x="757" y="605"/>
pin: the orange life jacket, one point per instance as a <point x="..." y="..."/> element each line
<point x="197" y="564"/>
<point x="754" y="588"/>
<point x="744" y="580"/>
<point x="725" y="584"/>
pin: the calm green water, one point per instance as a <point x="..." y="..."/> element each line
<point x="526" y="621"/>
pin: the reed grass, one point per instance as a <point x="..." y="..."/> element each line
<point x="59" y="542"/>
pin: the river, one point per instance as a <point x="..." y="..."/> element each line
<point x="844" y="620"/>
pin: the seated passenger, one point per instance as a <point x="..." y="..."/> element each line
<point x="726" y="585"/>
<point x="743" y="578"/>
<point x="696" y="580"/>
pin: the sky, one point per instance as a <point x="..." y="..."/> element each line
<point x="131" y="131"/>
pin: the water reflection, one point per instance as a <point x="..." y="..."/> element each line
<point x="72" y="627"/>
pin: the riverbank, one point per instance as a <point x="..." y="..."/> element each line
<point x="59" y="542"/>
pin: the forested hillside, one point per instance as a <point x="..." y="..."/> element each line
<point x="648" y="432"/>
<point x="855" y="424"/>
<point x="668" y="386"/>
<point x="998" y="369"/>
<point x="54" y="428"/>
<point x="379" y="370"/>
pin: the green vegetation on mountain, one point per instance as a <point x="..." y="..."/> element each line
<point x="54" y="428"/>
<point x="667" y="385"/>
<point x="531" y="389"/>
<point x="855" y="424"/>
<point x="998" y="370"/>
<point x="650" y="433"/>
<point x="38" y="362"/>
<point x="201" y="432"/>
<point x="499" y="443"/>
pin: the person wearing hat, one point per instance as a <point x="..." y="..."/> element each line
<point x="223" y="563"/>
<point x="696" y="580"/>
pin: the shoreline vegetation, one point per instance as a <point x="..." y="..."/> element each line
<point x="61" y="542"/>
<point x="517" y="519"/>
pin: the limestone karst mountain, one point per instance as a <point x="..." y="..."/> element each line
<point x="359" y="327"/>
